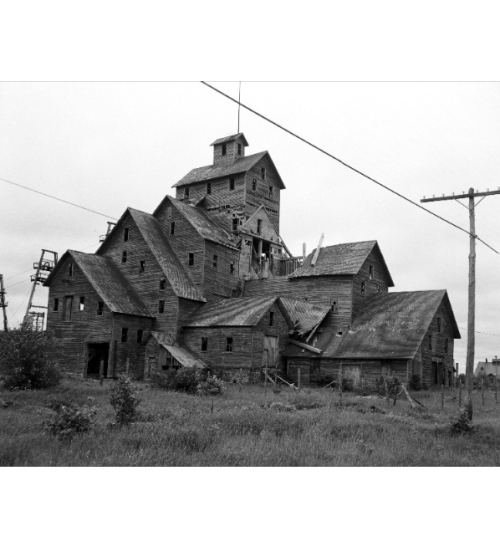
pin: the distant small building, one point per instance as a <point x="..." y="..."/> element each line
<point x="490" y="368"/>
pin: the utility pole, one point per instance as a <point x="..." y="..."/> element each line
<point x="3" y="304"/>
<point x="471" y="313"/>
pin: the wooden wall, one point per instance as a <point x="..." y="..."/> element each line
<point x="220" y="282"/>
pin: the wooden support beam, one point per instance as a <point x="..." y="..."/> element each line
<point x="306" y="346"/>
<point x="316" y="253"/>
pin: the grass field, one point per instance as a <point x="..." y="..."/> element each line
<point x="238" y="429"/>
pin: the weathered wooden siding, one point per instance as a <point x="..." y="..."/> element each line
<point x="231" y="152"/>
<point x="220" y="282"/>
<point x="71" y="335"/>
<point x="279" y="329"/>
<point x="186" y="308"/>
<point x="255" y="198"/>
<point x="379" y="283"/>
<point x="147" y="283"/>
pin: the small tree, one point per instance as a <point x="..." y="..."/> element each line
<point x="124" y="400"/>
<point x="26" y="359"/>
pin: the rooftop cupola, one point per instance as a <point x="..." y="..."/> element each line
<point x="229" y="149"/>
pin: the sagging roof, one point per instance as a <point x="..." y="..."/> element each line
<point x="204" y="225"/>
<point x="304" y="315"/>
<point x="180" y="353"/>
<point x="230" y="138"/>
<point x="241" y="165"/>
<point x="233" y="312"/>
<point x="108" y="282"/>
<point x="391" y="326"/>
<point x="343" y="259"/>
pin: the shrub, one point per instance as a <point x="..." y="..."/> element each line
<point x="415" y="382"/>
<point x="124" y="401"/>
<point x="26" y="360"/>
<point x="347" y="382"/>
<point x="210" y="386"/>
<point x="70" y="420"/>
<point x="182" y="379"/>
<point x="324" y="379"/>
<point x="462" y="424"/>
<point x="388" y="385"/>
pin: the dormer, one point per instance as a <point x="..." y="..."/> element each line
<point x="229" y="149"/>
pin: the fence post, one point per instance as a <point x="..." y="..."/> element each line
<point x="496" y="391"/>
<point x="101" y="371"/>
<point x="442" y="395"/>
<point x="459" y="393"/>
<point x="239" y="380"/>
<point x="128" y="366"/>
<point x="265" y="380"/>
<point x="299" y="379"/>
<point x="482" y="390"/>
<point x="340" y="380"/>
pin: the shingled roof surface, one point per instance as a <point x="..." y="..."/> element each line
<point x="205" y="226"/>
<point x="391" y="326"/>
<point x="157" y="241"/>
<point x="209" y="172"/>
<point x="110" y="284"/>
<point x="343" y="259"/>
<point x="304" y="315"/>
<point x="233" y="312"/>
<point x="230" y="138"/>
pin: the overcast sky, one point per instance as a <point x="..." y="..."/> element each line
<point x="107" y="146"/>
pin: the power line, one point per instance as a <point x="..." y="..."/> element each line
<point x="58" y="199"/>
<point x="485" y="333"/>
<point x="343" y="163"/>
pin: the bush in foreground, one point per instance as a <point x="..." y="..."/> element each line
<point x="187" y="380"/>
<point x="124" y="401"/>
<point x="70" y="420"/>
<point x="26" y="360"/>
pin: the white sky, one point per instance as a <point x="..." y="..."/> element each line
<point x="107" y="146"/>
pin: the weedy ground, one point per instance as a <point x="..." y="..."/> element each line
<point x="251" y="427"/>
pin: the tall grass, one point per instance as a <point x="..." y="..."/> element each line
<point x="246" y="429"/>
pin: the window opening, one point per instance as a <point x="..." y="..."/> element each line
<point x="335" y="306"/>
<point x="161" y="306"/>
<point x="186" y="192"/>
<point x="68" y="308"/>
<point x="204" y="343"/>
<point x="140" y="335"/>
<point x="362" y="288"/>
<point x="209" y="187"/>
<point x="370" y="272"/>
<point x="235" y="224"/>
<point x="191" y="259"/>
<point x="70" y="269"/>
<point x="430" y="341"/>
<point x="439" y="324"/>
<point x="231" y="268"/>
<point x="216" y="259"/>
<point x="125" y="234"/>
<point x="271" y="318"/>
<point x="446" y="345"/>
<point x="142" y="266"/>
<point x="172" y="228"/>
<point x="239" y="149"/>
<point x="100" y="308"/>
<point x="224" y="150"/>
<point x="231" y="183"/>
<point x="270" y="191"/>
<point x="163" y="284"/>
<point x="229" y="344"/>
<point x="124" y="334"/>
<point x="259" y="225"/>
<point x="263" y="172"/>
<point x="82" y="303"/>
<point x="254" y="185"/>
<point x="56" y="304"/>
<point x="124" y="257"/>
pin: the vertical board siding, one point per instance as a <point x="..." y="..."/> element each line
<point x="380" y="282"/>
<point x="220" y="282"/>
<point x="261" y="195"/>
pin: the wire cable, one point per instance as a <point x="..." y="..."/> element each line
<point x="345" y="164"/>
<point x="58" y="199"/>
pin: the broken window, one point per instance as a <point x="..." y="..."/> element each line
<point x="204" y="343"/>
<point x="335" y="306"/>
<point x="270" y="191"/>
<point x="271" y="318"/>
<point x="370" y="272"/>
<point x="259" y="225"/>
<point x="263" y="173"/>
<point x="239" y="149"/>
<point x="124" y="334"/>
<point x="161" y="306"/>
<point x="140" y="336"/>
<point x="216" y="259"/>
<point x="125" y="234"/>
<point x="172" y="228"/>
<point x="224" y="149"/>
<point x="254" y="185"/>
<point x="70" y="269"/>
<point x="124" y="257"/>
<point x="231" y="183"/>
<point x="231" y="268"/>
<point x="235" y="224"/>
<point x="142" y="266"/>
<point x="56" y="304"/>
<point x="191" y="259"/>
<point x="163" y="284"/>
<point x="82" y="303"/>
<point x="363" y="287"/>
<point x="186" y="192"/>
<point x="439" y="324"/>
<point x="68" y="308"/>
<point x="229" y="344"/>
<point x="100" y="308"/>
<point x="209" y="187"/>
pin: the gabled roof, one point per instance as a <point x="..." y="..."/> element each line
<point x="488" y="368"/>
<point x="202" y="223"/>
<point x="108" y="282"/>
<point x="230" y="138"/>
<point x="155" y="238"/>
<point x="233" y="312"/>
<point x="304" y="315"/>
<point x="246" y="229"/>
<point x="343" y="259"/>
<point x="241" y="165"/>
<point x="391" y="326"/>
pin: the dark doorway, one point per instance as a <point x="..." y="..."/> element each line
<point x="96" y="353"/>
<point x="434" y="373"/>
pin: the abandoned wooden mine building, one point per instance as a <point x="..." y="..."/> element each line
<point x="206" y="280"/>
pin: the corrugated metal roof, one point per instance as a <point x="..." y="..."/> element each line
<point x="109" y="283"/>
<point x="182" y="354"/>
<point x="391" y="326"/>
<point x="204" y="225"/>
<point x="232" y="312"/>
<point x="343" y="259"/>
<point x="157" y="241"/>
<point x="304" y="315"/>
<point x="230" y="138"/>
<point x="209" y="172"/>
